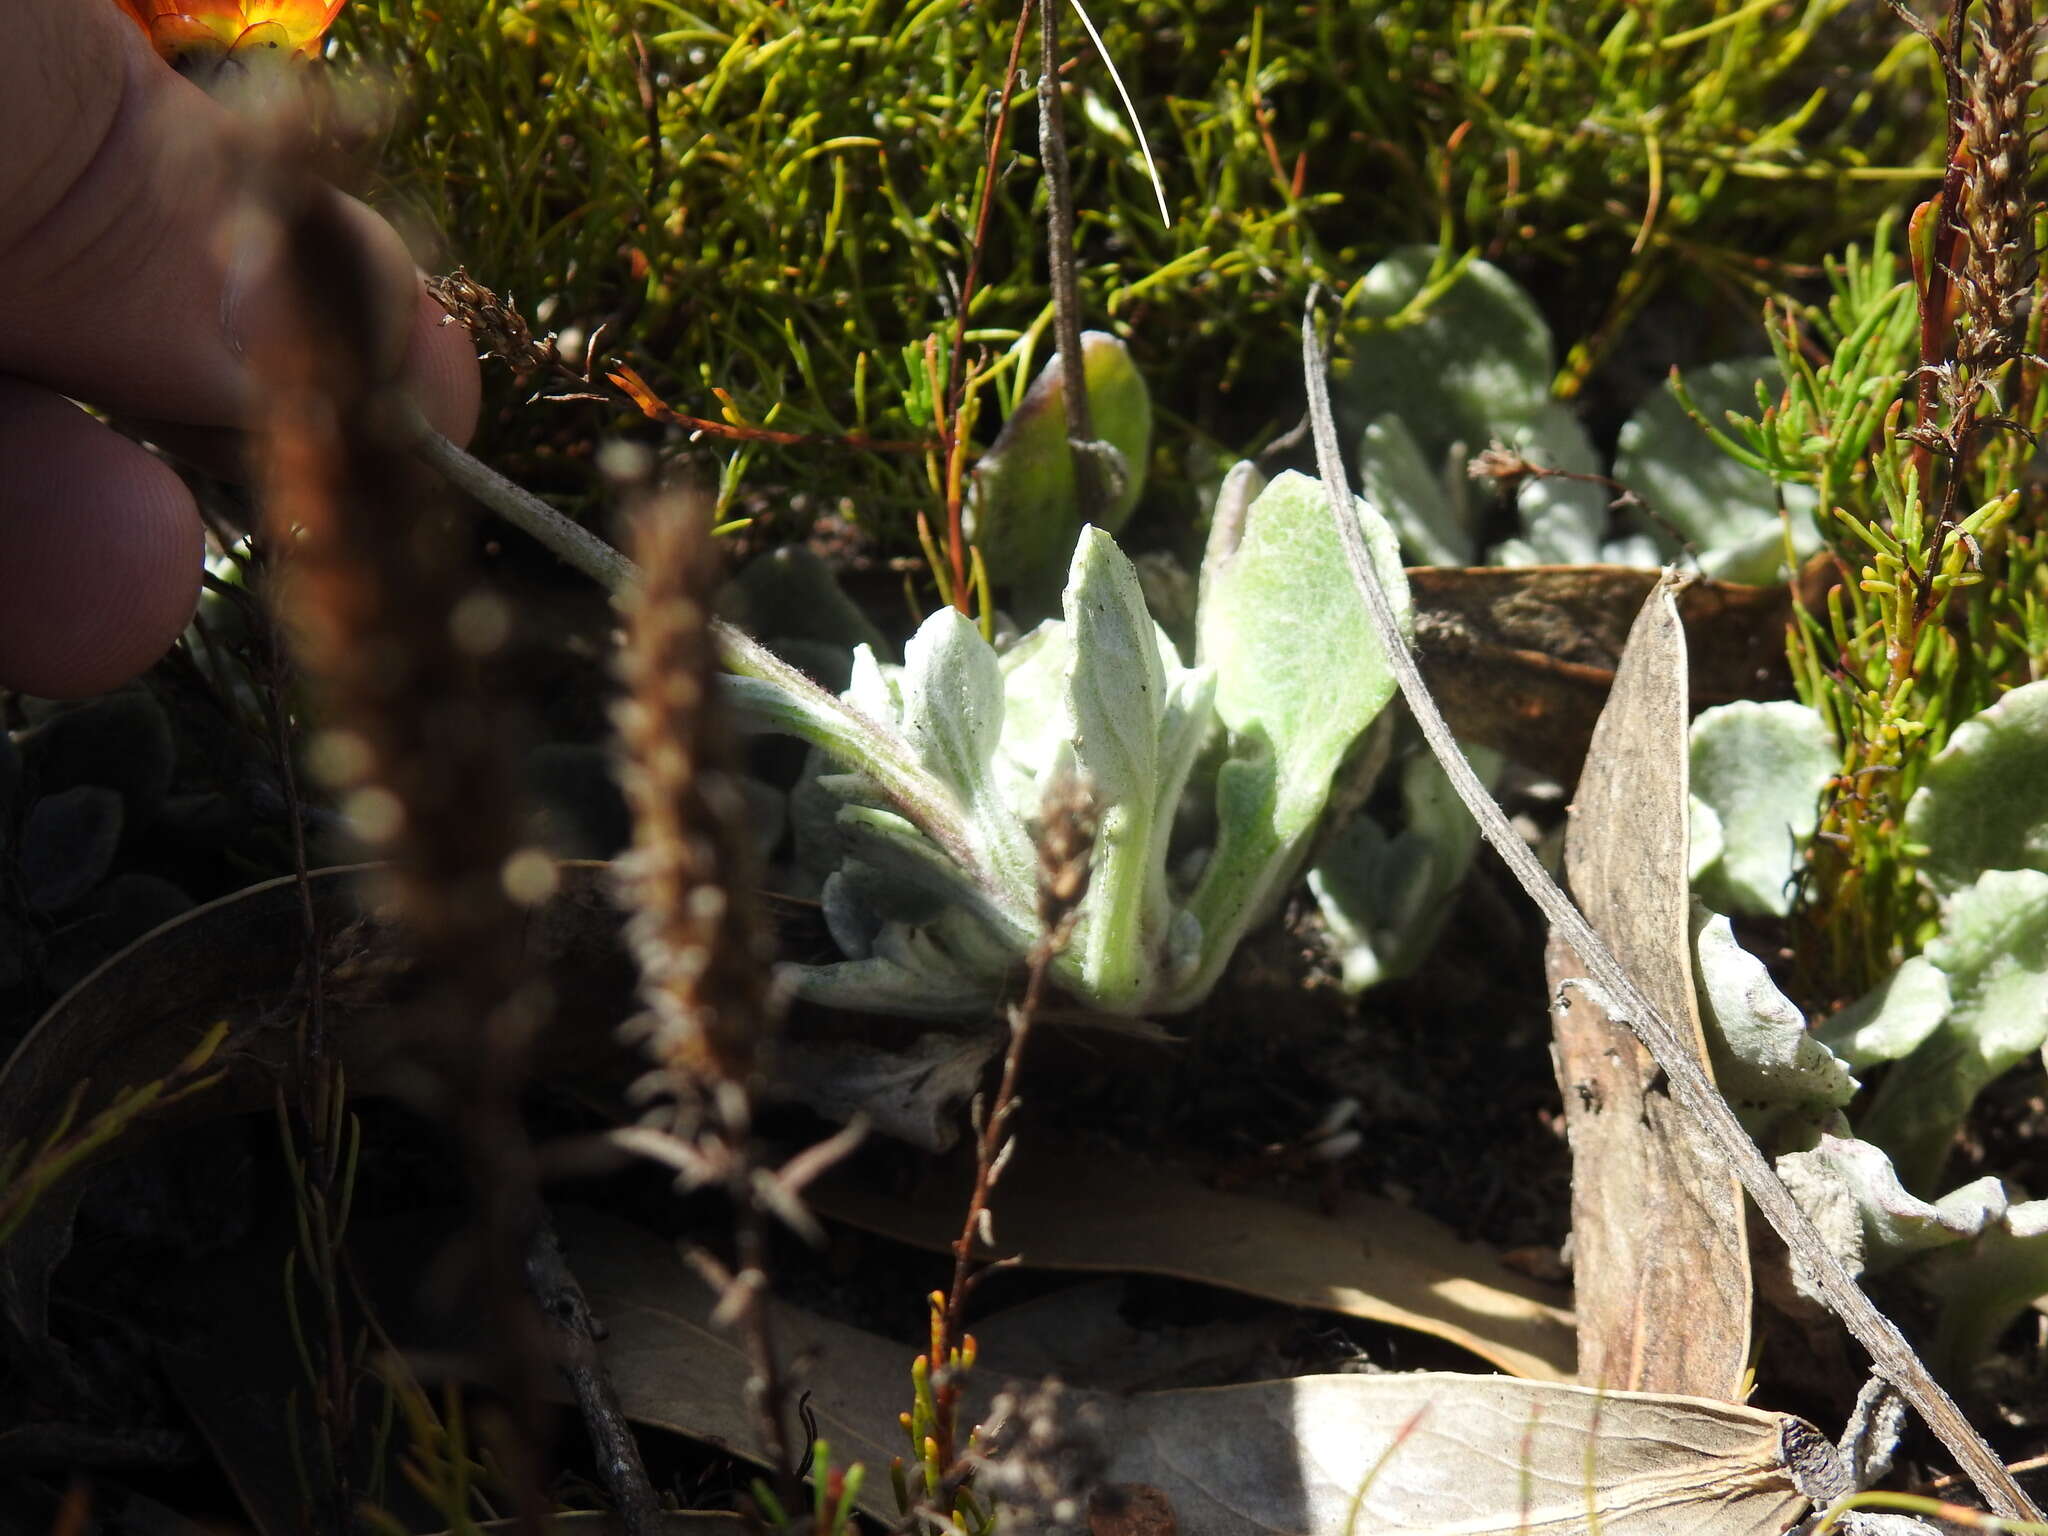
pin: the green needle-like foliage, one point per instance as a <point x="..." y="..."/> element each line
<point x="773" y="201"/>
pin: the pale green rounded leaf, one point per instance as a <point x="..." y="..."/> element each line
<point x="1726" y="510"/>
<point x="1892" y="1018"/>
<point x="1993" y="947"/>
<point x="1478" y="357"/>
<point x="1984" y="801"/>
<point x="1760" y="768"/>
<point x="1412" y="496"/>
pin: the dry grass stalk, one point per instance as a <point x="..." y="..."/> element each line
<point x="393" y="625"/>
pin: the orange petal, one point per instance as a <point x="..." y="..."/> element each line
<point x="177" y="26"/>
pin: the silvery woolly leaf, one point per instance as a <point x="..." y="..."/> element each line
<point x="906" y="972"/>
<point x="1022" y="505"/>
<point x="1385" y="898"/>
<point x="68" y="843"/>
<point x="952" y="701"/>
<point x="1983" y="803"/>
<point x="1985" y="1257"/>
<point x="1117" y="689"/>
<point x="1892" y="1019"/>
<point x="1117" y="700"/>
<point x="907" y="858"/>
<point x="1298" y="668"/>
<point x="1563" y="520"/>
<point x="952" y="691"/>
<point x="1477" y="358"/>
<point x="873" y="690"/>
<point x="1765" y="1062"/>
<point x="1703" y="846"/>
<point x="1037" y="729"/>
<point x="1761" y="768"/>
<point x="1433" y="528"/>
<point x="1726" y="510"/>
<point x="1993" y="947"/>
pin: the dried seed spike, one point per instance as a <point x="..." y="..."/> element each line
<point x="1997" y="206"/>
<point x="688" y="879"/>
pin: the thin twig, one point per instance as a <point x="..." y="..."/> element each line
<point x="953" y="392"/>
<point x="1066" y="846"/>
<point x="1891" y="1356"/>
<point x="576" y="1332"/>
<point x="1059" y="251"/>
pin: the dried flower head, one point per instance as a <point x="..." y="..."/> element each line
<point x="1499" y="463"/>
<point x="689" y="877"/>
<point x="1995" y="275"/>
<point x="496" y="325"/>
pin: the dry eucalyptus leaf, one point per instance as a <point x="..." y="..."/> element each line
<point x="1316" y="1456"/>
<point x="604" y="1522"/>
<point x="1434" y="1454"/>
<point x="1372" y="1259"/>
<point x="1660" y="1251"/>
<point x="1521" y="658"/>
<point x="673" y="1368"/>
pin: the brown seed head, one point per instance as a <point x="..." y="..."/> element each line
<point x="689" y="879"/>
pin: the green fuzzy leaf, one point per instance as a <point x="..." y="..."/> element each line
<point x="1477" y="359"/>
<point x="1117" y="693"/>
<point x="1298" y="668"/>
<point x="1993" y="947"/>
<point x="1433" y="528"/>
<point x="1299" y="676"/>
<point x="1022" y="509"/>
<point x="1983" y="803"/>
<point x="1760" y="768"/>
<point x="1892" y="1019"/>
<point x="1727" y="510"/>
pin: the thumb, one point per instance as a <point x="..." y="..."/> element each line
<point x="126" y="278"/>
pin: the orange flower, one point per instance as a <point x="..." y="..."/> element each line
<point x="209" y="32"/>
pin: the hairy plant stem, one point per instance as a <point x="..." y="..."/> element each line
<point x="1059" y="250"/>
<point x="1891" y="1356"/>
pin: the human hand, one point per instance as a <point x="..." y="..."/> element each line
<point x="116" y="192"/>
